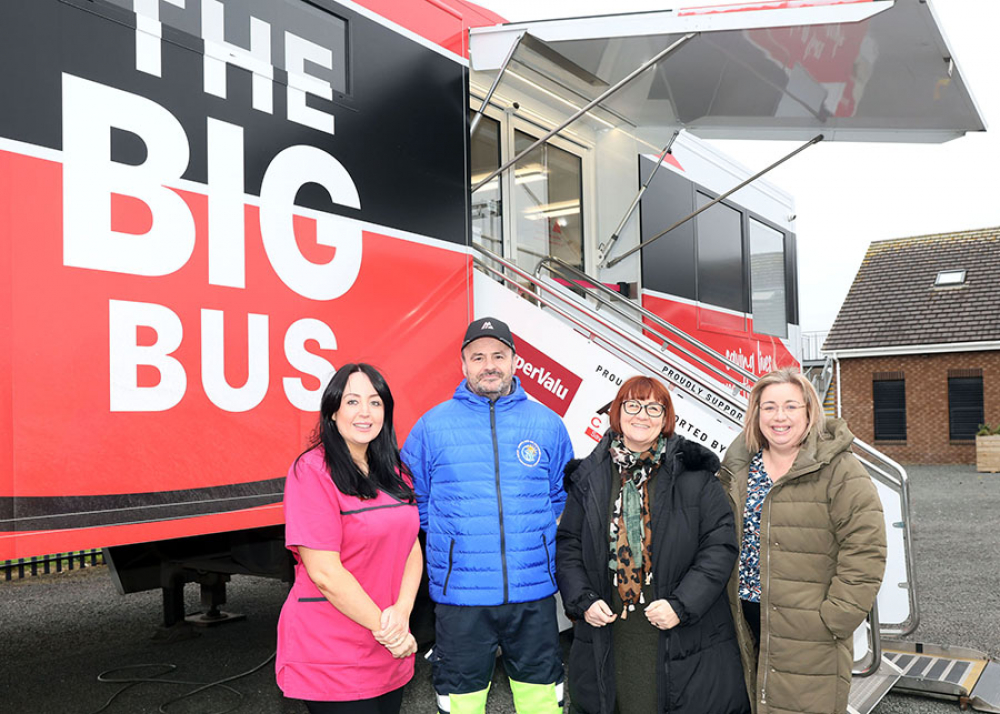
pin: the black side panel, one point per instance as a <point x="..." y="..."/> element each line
<point x="402" y="98"/>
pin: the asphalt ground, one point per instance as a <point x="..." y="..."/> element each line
<point x="58" y="633"/>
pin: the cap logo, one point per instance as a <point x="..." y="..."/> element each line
<point x="487" y="325"/>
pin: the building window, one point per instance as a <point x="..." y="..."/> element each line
<point x="965" y="403"/>
<point x="950" y="277"/>
<point x="889" y="405"/>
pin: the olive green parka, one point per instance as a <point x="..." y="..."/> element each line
<point x="822" y="557"/>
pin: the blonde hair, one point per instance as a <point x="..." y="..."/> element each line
<point x="815" y="418"/>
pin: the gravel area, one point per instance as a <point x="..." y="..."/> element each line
<point x="956" y="540"/>
<point x="59" y="632"/>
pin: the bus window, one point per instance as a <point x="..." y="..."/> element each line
<point x="487" y="203"/>
<point x="720" y="256"/>
<point x="767" y="280"/>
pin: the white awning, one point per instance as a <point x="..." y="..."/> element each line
<point x="852" y="70"/>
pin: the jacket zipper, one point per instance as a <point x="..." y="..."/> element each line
<point x="548" y="561"/>
<point x="496" y="467"/>
<point x="765" y="609"/>
<point x="600" y="656"/>
<point x="451" y="554"/>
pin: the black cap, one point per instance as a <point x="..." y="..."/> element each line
<point x="489" y="327"/>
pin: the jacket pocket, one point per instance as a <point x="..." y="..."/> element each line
<point x="451" y="564"/>
<point x="583" y="671"/>
<point x="548" y="559"/>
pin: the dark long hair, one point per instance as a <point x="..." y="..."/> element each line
<point x="385" y="467"/>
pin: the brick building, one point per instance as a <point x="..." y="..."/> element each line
<point x="917" y="345"/>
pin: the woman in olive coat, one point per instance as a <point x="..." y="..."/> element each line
<point x="813" y="547"/>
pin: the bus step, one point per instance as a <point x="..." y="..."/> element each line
<point x="867" y="692"/>
<point x="969" y="676"/>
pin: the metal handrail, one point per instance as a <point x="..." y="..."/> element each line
<point x="667" y="342"/>
<point x="875" y="644"/>
<point x="894" y="475"/>
<point x="656" y="319"/>
<point x="593" y="335"/>
<point x="825" y="377"/>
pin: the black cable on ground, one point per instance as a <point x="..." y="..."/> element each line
<point x="219" y="683"/>
<point x="157" y="678"/>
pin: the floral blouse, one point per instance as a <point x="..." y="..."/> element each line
<point x="758" y="486"/>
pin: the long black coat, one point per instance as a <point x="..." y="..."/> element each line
<point x="694" y="551"/>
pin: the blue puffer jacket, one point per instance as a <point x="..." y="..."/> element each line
<point x="489" y="483"/>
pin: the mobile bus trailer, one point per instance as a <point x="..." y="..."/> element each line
<point x="202" y="219"/>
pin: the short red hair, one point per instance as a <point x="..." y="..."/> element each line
<point x="640" y="388"/>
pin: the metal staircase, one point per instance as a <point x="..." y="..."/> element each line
<point x="829" y="401"/>
<point x="577" y="313"/>
<point x="821" y="376"/>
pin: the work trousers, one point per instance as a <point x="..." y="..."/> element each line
<point x="467" y="639"/>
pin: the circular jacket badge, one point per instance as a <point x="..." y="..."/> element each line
<point x="528" y="453"/>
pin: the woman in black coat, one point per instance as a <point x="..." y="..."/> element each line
<point x="643" y="553"/>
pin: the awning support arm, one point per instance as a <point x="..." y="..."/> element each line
<point x="815" y="140"/>
<point x="496" y="83"/>
<point x="590" y="105"/>
<point x="604" y="248"/>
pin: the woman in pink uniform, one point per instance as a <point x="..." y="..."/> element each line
<point x="351" y="520"/>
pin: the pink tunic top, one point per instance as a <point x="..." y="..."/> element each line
<point x="322" y="654"/>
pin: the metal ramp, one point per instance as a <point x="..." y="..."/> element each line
<point x="970" y="677"/>
<point x="867" y="692"/>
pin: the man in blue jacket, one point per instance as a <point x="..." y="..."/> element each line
<point x="488" y="472"/>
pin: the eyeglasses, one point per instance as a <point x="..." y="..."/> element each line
<point x="654" y="409"/>
<point x="791" y="409"/>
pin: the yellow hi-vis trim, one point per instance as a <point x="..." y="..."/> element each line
<point x="536" y="698"/>
<point x="471" y="703"/>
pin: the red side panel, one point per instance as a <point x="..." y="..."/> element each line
<point x="6" y="418"/>
<point x="727" y="333"/>
<point x="74" y="454"/>
<point x="444" y="22"/>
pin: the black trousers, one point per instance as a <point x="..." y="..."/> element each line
<point x="751" y="613"/>
<point x="388" y="703"/>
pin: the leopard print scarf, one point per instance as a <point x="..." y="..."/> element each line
<point x="630" y="522"/>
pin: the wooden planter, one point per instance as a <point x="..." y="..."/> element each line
<point x="988" y="453"/>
